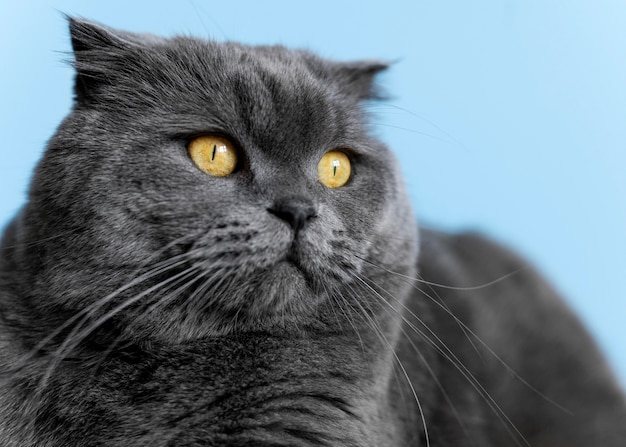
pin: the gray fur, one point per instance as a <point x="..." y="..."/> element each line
<point x="146" y="303"/>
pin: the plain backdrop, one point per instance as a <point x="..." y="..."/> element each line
<point x="508" y="116"/>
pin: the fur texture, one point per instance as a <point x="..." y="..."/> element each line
<point x="146" y="303"/>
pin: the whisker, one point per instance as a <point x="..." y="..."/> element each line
<point x="466" y="329"/>
<point x="381" y="334"/>
<point x="430" y="370"/>
<point x="510" y="370"/>
<point x="130" y="302"/>
<point x="170" y="295"/>
<point x="158" y="269"/>
<point x="395" y="372"/>
<point x="336" y="299"/>
<point x="422" y="118"/>
<point x="437" y="298"/>
<point x="453" y="359"/>
<point x="88" y="311"/>
<point x="445" y="286"/>
<point x="73" y="341"/>
<point x="209" y="287"/>
<point x="406" y="129"/>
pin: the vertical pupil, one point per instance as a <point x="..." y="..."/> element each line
<point x="213" y="154"/>
<point x="335" y="164"/>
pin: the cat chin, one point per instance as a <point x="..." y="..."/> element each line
<point x="283" y="289"/>
<point x="179" y="329"/>
<point x="185" y="330"/>
<point x="275" y="298"/>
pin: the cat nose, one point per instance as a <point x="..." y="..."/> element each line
<point x="296" y="211"/>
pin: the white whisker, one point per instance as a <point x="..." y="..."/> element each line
<point x="447" y="353"/>
<point x="467" y="330"/>
<point x="85" y="313"/>
<point x="76" y="337"/>
<point x="379" y="331"/>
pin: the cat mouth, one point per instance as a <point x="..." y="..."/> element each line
<point x="291" y="265"/>
<point x="290" y="270"/>
<point x="282" y="289"/>
<point x="291" y="258"/>
<point x="292" y="261"/>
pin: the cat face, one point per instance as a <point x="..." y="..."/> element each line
<point x="138" y="231"/>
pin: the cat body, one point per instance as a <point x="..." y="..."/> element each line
<point x="145" y="302"/>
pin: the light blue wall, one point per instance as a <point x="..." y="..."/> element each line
<point x="509" y="116"/>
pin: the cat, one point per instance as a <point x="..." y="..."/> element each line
<point x="216" y="251"/>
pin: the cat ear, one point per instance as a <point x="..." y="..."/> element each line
<point x="359" y="78"/>
<point x="99" y="52"/>
<point x="95" y="48"/>
<point x="88" y="35"/>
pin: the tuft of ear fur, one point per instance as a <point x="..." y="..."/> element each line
<point x="98" y="52"/>
<point x="95" y="48"/>
<point x="358" y="78"/>
<point x="88" y="36"/>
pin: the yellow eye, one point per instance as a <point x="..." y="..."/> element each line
<point x="333" y="170"/>
<point x="214" y="155"/>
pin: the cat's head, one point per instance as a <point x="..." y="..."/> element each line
<point x="128" y="219"/>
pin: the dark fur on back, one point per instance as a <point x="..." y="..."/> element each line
<point x="146" y="303"/>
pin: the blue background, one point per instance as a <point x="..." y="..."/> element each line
<point x="508" y="116"/>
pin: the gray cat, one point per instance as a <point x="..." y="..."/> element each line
<point x="216" y="252"/>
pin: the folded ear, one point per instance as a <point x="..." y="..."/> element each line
<point x="359" y="78"/>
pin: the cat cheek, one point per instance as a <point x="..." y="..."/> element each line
<point x="252" y="243"/>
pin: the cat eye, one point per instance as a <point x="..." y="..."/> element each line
<point x="214" y="155"/>
<point x="334" y="170"/>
